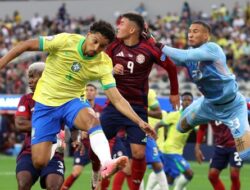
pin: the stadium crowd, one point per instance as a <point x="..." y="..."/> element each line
<point x="230" y="29"/>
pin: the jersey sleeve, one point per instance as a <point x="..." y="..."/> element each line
<point x="51" y="43"/>
<point x="202" y="53"/>
<point x="201" y="133"/>
<point x="107" y="80"/>
<point x="23" y="108"/>
<point x="167" y="65"/>
<point x="171" y="69"/>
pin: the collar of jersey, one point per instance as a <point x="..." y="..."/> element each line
<point x="79" y="48"/>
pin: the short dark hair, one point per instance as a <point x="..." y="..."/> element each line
<point x="204" y="24"/>
<point x="104" y="28"/>
<point x="137" y="18"/>
<point x="187" y="94"/>
<point x="91" y="85"/>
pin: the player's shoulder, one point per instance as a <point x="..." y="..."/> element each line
<point x="28" y="96"/>
<point x="211" y="46"/>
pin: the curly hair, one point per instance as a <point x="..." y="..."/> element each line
<point x="104" y="28"/>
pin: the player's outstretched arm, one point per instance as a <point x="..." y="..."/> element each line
<point x="195" y="54"/>
<point x="124" y="107"/>
<point x="29" y="45"/>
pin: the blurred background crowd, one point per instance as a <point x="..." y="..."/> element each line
<point x="230" y="28"/>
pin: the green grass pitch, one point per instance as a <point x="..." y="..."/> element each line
<point x="200" y="181"/>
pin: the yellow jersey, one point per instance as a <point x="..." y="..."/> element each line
<point x="175" y="141"/>
<point x="67" y="70"/>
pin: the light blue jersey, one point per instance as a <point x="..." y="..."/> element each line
<point x="208" y="70"/>
<point x="221" y="101"/>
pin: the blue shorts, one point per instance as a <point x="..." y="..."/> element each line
<point x="152" y="153"/>
<point x="121" y="148"/>
<point x="55" y="166"/>
<point x="174" y="164"/>
<point x="233" y="114"/>
<point x="223" y="156"/>
<point x="47" y="120"/>
<point x="81" y="159"/>
<point x="112" y="121"/>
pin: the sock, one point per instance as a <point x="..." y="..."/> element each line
<point x="96" y="165"/>
<point x="118" y="180"/>
<point x="105" y="184"/>
<point x="68" y="182"/>
<point x="138" y="168"/>
<point x="129" y="181"/>
<point x="161" y="179"/>
<point x="99" y="144"/>
<point x="142" y="185"/>
<point x="235" y="178"/>
<point x="157" y="187"/>
<point x="180" y="182"/>
<point x="94" y="178"/>
<point x="215" y="181"/>
<point x="152" y="181"/>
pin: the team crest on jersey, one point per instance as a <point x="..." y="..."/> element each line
<point x="76" y="67"/>
<point x="140" y="58"/>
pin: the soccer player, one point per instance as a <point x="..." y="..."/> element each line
<point x="207" y="67"/>
<point x="82" y="159"/>
<point x="152" y="155"/>
<point x="51" y="176"/>
<point x="133" y="58"/>
<point x="73" y="61"/>
<point x="177" y="169"/>
<point x="225" y="153"/>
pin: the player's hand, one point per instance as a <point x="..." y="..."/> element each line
<point x="148" y="129"/>
<point x="159" y="45"/>
<point x="199" y="155"/>
<point x="118" y="69"/>
<point x="78" y="146"/>
<point x="175" y="101"/>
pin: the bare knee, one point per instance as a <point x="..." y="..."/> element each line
<point x="157" y="166"/>
<point x="77" y="170"/>
<point x="86" y="119"/>
<point x="54" y="182"/>
<point x="138" y="151"/>
<point x="24" y="180"/>
<point x="189" y="174"/>
<point x="24" y="184"/>
<point x="39" y="162"/>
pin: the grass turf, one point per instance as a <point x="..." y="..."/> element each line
<point x="200" y="181"/>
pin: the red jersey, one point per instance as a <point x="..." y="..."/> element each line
<point x="97" y="108"/>
<point x="222" y="134"/>
<point x="137" y="62"/>
<point x="25" y="108"/>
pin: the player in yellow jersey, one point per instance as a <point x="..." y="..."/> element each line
<point x="175" y="166"/>
<point x="152" y="153"/>
<point x="73" y="60"/>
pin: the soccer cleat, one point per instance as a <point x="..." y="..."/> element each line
<point x="113" y="166"/>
